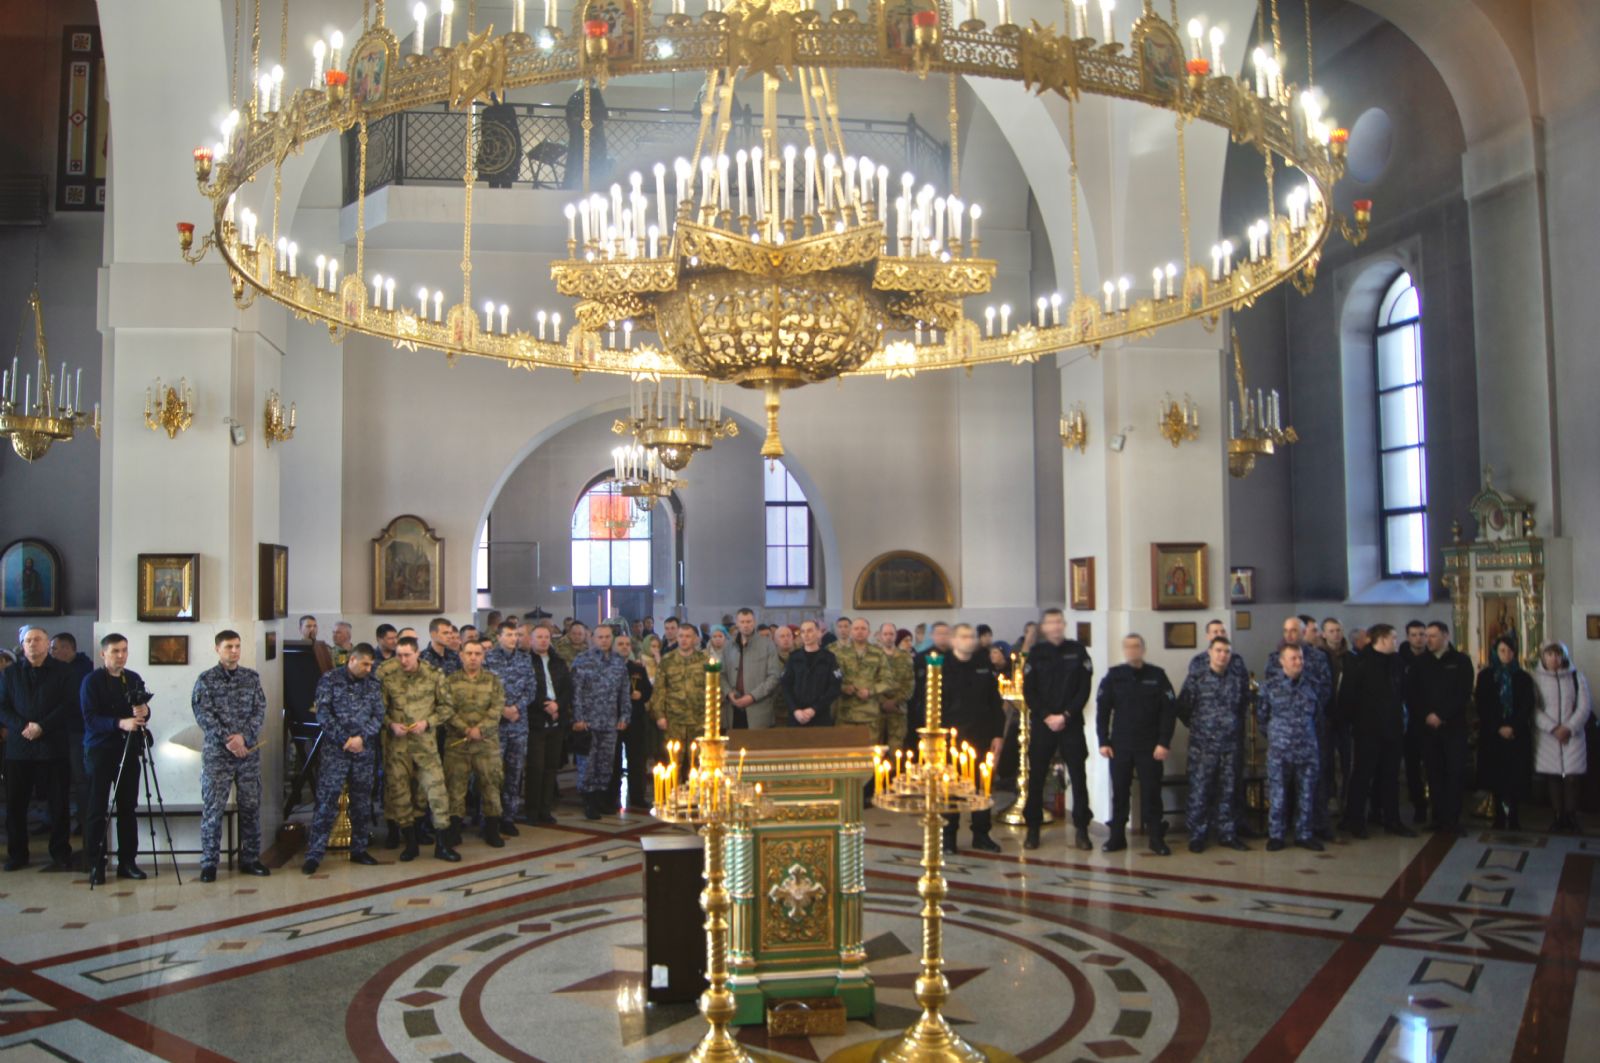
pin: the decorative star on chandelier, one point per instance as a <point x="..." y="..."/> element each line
<point x="778" y="264"/>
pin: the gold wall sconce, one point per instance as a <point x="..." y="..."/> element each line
<point x="274" y="426"/>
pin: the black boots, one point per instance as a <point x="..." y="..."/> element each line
<point x="425" y="833"/>
<point x="393" y="839"/>
<point x="451" y="835"/>
<point x="1118" y="840"/>
<point x="410" y="851"/>
<point x="1158" y="840"/>
<point x="1032" y="840"/>
<point x="591" y="806"/>
<point x="507" y="827"/>
<point x="1082" y="839"/>
<point x="491" y="833"/>
<point x="441" y="851"/>
<point x="983" y="843"/>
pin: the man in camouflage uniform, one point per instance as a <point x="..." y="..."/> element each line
<point x="680" y="695"/>
<point x="514" y="668"/>
<point x="1319" y="671"/>
<point x="863" y="679"/>
<point x="477" y="700"/>
<point x="1213" y="704"/>
<point x="902" y="680"/>
<point x="574" y="642"/>
<point x="415" y="706"/>
<point x="1290" y="704"/>
<point x="601" y="706"/>
<point x="231" y="708"/>
<point x="349" y="703"/>
<point x="443" y="642"/>
<point x="343" y="645"/>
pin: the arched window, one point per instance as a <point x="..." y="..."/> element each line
<point x="1402" y="433"/>
<point x="788" y="530"/>
<point x="610" y="539"/>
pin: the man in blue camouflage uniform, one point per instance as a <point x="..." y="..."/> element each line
<point x="601" y="707"/>
<point x="1319" y="670"/>
<point x="515" y="671"/>
<point x="1213" y="704"/>
<point x="1291" y="700"/>
<point x="444" y="642"/>
<point x="349" y="704"/>
<point x="1199" y="663"/>
<point x="231" y="708"/>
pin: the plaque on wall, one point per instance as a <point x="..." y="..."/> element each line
<point x="903" y="579"/>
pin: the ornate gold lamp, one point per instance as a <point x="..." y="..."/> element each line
<point x="169" y="409"/>
<point x="1180" y="421"/>
<point x="1011" y="691"/>
<point x="277" y="425"/>
<point x="714" y="797"/>
<point x="675" y="419"/>
<point x="38" y="409"/>
<point x="1255" y="425"/>
<point x="760" y="261"/>
<point x="940" y="778"/>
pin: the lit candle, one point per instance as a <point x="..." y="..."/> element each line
<point x="518" y="15"/>
<point x="319" y="51"/>
<point x="336" y="50"/>
<point x="1109" y="289"/>
<point x="422" y="303"/>
<point x="388" y="293"/>
<point x="277" y="88"/>
<point x="264" y="95"/>
<point x="811" y="177"/>
<point x="1082" y="22"/>
<point x="988" y="320"/>
<point x="1043" y="304"/>
<point x="550" y="13"/>
<point x="1217" y="37"/>
<point x="333" y="274"/>
<point x="975" y="213"/>
<point x="788" y="182"/>
<point x="1055" y="309"/>
<point x="446" y="9"/>
<point x="505" y="315"/>
<point x="322" y="271"/>
<point x="540" y="317"/>
<point x="1216" y="262"/>
<point x="1106" y="7"/>
<point x="1227" y="257"/>
<point x="555" y="326"/>
<point x="1196" y="36"/>
<point x="420" y="13"/>
<point x="488" y="317"/>
<point x="377" y="289"/>
<point x="438" y="305"/>
<point x="741" y="160"/>
<point x="1005" y="318"/>
<point x="1172" y="277"/>
<point x="294" y="255"/>
<point x="280" y="260"/>
<point x="1155" y="282"/>
<point x="1259" y="58"/>
<point x="722" y="182"/>
<point x="661" y="193"/>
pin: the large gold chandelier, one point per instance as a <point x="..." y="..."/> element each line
<point x="780" y="264"/>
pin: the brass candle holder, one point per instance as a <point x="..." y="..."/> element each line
<point x="940" y="779"/>
<point x="1011" y="690"/>
<point x="713" y="797"/>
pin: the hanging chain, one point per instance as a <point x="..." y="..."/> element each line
<point x="1183" y="196"/>
<point x="1072" y="170"/>
<point x="361" y="203"/>
<point x="255" y="49"/>
<point x="233" y="79"/>
<point x="955" y="143"/>
<point x="283" y="38"/>
<point x="1311" y="70"/>
<point x="1277" y="35"/>
<point x="466" y="229"/>
<point x="588" y="125"/>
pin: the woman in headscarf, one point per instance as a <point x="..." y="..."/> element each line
<point x="1505" y="698"/>
<point x="1560" y="713"/>
<point x="719" y="640"/>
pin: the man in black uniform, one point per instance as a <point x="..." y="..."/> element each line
<point x="1412" y="650"/>
<point x="972" y="705"/>
<point x="1371" y="704"/>
<point x="1444" y="688"/>
<point x="1055" y="687"/>
<point x="116" y="714"/>
<point x="810" y="682"/>
<point x="1135" y="715"/>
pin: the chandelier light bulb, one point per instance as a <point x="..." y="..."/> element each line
<point x="1217" y="39"/>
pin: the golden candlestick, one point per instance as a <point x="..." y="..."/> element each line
<point x="713" y="798"/>
<point x="940" y="782"/>
<point x="1012" y="692"/>
<point x="339" y="836"/>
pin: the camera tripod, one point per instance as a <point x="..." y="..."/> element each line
<point x="140" y="739"/>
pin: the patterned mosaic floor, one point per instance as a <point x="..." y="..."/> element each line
<point x="1480" y="948"/>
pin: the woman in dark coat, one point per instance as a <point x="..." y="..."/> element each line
<point x="1505" y="699"/>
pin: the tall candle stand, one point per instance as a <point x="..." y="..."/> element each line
<point x="1011" y="690"/>
<point x="713" y="797"/>
<point x="939" y="779"/>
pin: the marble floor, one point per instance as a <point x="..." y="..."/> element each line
<point x="1478" y="948"/>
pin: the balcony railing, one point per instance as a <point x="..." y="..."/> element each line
<point x="531" y="145"/>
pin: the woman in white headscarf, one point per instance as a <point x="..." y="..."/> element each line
<point x="1559" y="718"/>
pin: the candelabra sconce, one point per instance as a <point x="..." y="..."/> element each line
<point x="596" y="44"/>
<point x="274" y="427"/>
<point x="1075" y="429"/>
<point x="169" y="409"/>
<point x="1255" y="425"/>
<point x="202" y="165"/>
<point x="36" y="414"/>
<point x="1180" y="421"/>
<point x="1339" y="144"/>
<point x="1356" y="234"/>
<point x="927" y="36"/>
<point x="713" y="796"/>
<point x="1199" y="71"/>
<point x="1304" y="279"/>
<point x="186" y="243"/>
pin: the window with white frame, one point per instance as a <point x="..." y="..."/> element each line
<point x="610" y="539"/>
<point x="788" y="530"/>
<point x="1402" y="433"/>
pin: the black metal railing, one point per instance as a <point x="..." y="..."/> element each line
<point x="532" y="145"/>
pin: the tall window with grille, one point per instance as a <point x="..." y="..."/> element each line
<point x="788" y="530"/>
<point x="1402" y="433"/>
<point x="481" y="561"/>
<point x="610" y="539"/>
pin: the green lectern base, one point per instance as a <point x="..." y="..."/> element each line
<point x="752" y="995"/>
<point x="869" y="1051"/>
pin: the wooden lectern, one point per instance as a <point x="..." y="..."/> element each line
<point x="797" y="877"/>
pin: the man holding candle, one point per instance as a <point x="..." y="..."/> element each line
<point x="972" y="706"/>
<point x="1135" y="716"/>
<point x="1055" y="686"/>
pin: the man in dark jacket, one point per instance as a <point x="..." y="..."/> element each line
<point x="1412" y="650"/>
<point x="1135" y="715"/>
<point x="37" y="706"/>
<point x="549" y="715"/>
<point x="973" y="706"/>
<point x="1371" y="704"/>
<point x="64" y="648"/>
<point x="1444" y="684"/>
<point x="115" y="709"/>
<point x="810" y="682"/>
<point x="1055" y="685"/>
